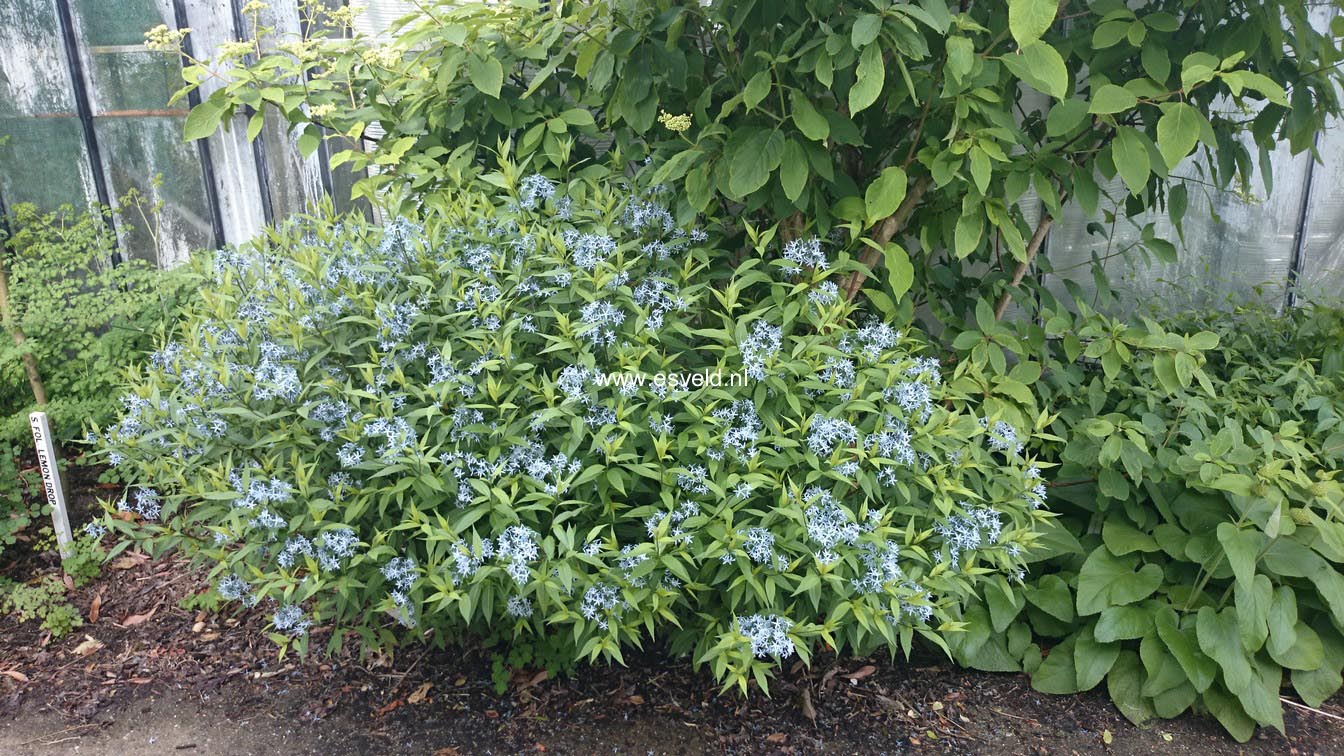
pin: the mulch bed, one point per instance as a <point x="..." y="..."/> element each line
<point x="139" y="643"/>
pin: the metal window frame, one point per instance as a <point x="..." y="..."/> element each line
<point x="202" y="145"/>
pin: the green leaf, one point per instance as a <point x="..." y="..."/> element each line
<point x="1242" y="548"/>
<point x="1108" y="580"/>
<point x="1229" y="714"/>
<point x="1253" y="605"/>
<point x="1130" y="153"/>
<point x="980" y="169"/>
<point x="1306" y="652"/>
<point x="900" y="271"/>
<point x="1314" y="686"/>
<point x="1065" y="116"/>
<point x="811" y="123"/>
<point x="1112" y="99"/>
<point x="1042" y="68"/>
<point x="885" y="194"/>
<point x="966" y="236"/>
<point x="960" y="57"/>
<point x="1183" y="645"/>
<point x="1282" y="620"/>
<point x="748" y="169"/>
<point x="1177" y="132"/>
<point x="1029" y="20"/>
<point x="1220" y="637"/>
<point x="1109" y="34"/>
<point x="870" y="77"/>
<point x="1051" y="595"/>
<point x="793" y="170"/>
<point x="1124" y="683"/>
<point x="757" y="89"/>
<point x="866" y="29"/>
<point x="1092" y="659"/>
<point x="1156" y="63"/>
<point x="202" y="121"/>
<point x="1122" y="538"/>
<point x="486" y="74"/>
<point x="1057" y="674"/>
<point x="1123" y="623"/>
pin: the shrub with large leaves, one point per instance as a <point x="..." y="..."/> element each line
<point x="466" y="423"/>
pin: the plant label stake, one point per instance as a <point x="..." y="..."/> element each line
<point x="51" y="479"/>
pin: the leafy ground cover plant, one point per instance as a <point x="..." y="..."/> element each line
<point x="468" y="423"/>
<point x="1200" y="473"/>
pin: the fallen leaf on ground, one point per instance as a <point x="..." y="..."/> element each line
<point x="394" y="703"/>
<point x="420" y="693"/>
<point x="778" y="737"/>
<point x="17" y="675"/>
<point x="129" y="562"/>
<point x="636" y="699"/>
<point x="88" y="645"/>
<point x="95" y="607"/>
<point x="135" y="619"/>
<point x="861" y="672"/>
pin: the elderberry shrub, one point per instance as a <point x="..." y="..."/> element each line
<point x="465" y="423"/>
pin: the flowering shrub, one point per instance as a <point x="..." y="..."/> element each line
<point x="466" y="423"/>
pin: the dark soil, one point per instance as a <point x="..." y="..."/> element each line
<point x="145" y="675"/>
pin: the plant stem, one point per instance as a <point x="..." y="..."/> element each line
<point x="885" y="231"/>
<point x="1033" y="247"/>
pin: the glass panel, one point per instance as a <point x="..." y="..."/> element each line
<point x="38" y="125"/>
<point x="140" y="135"/>
<point x="1235" y="244"/>
<point x="1322" y="274"/>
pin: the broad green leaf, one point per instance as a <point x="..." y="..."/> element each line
<point x="866" y="29"/>
<point x="1123" y="623"/>
<point x="1122" y="538"/>
<point x="1282" y="620"/>
<point x="870" y="77"/>
<point x="1124" y="683"/>
<point x="1183" y="644"/>
<point x="1305" y="653"/>
<point x="1057" y="674"/>
<point x="885" y="194"/>
<point x="1130" y="153"/>
<point x="1227" y="710"/>
<point x="1042" y="68"/>
<point x="980" y="169"/>
<point x="1177" y="132"/>
<point x="1253" y="605"/>
<point x="966" y="236"/>
<point x="1242" y="548"/>
<point x="1220" y="638"/>
<point x="1156" y="62"/>
<point x="1051" y="594"/>
<point x="813" y="125"/>
<point x="1314" y="686"/>
<point x="960" y="57"/>
<point x="1108" y="580"/>
<point x="486" y="74"/>
<point x="900" y="271"/>
<point x="793" y="170"/>
<point x="1112" y="99"/>
<point x="748" y="169"/>
<point x="756" y="89"/>
<point x="1092" y="659"/>
<point x="202" y="121"/>
<point x="1029" y="20"/>
<point x="1065" y="116"/>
